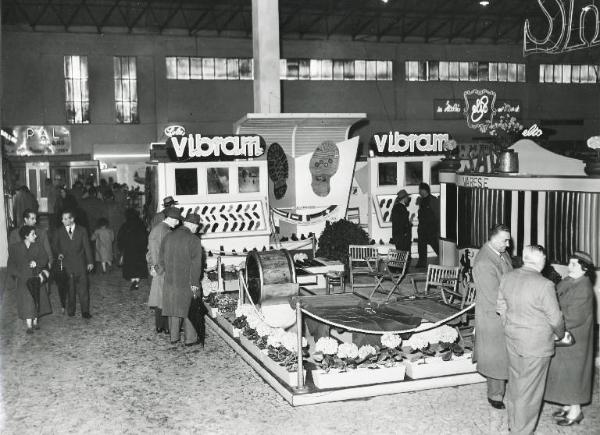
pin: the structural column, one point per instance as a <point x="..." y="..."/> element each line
<point x="265" y="44"/>
<point x="3" y="221"/>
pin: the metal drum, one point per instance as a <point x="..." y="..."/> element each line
<point x="508" y="161"/>
<point x="269" y="275"/>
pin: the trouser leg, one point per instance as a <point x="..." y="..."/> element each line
<point x="83" y="291"/>
<point x="496" y="389"/>
<point x="63" y="289"/>
<point x="434" y="241"/>
<point x="189" y="332"/>
<point x="160" y="321"/>
<point x="71" y="300"/>
<point x="174" y="327"/>
<point x="422" y="247"/>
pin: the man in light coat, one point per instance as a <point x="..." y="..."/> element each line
<point x="157" y="235"/>
<point x="180" y="258"/>
<point x="531" y="318"/>
<point x="491" y="263"/>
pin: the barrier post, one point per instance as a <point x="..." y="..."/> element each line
<point x="301" y="388"/>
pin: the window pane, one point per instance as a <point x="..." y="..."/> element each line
<point x="541" y="73"/>
<point x="548" y="73"/>
<point x="473" y="70"/>
<point x="388" y="174"/>
<point x="183" y="68"/>
<point x="68" y="66"/>
<point x="70" y="112"/>
<point x="411" y="70"/>
<point x="575" y="73"/>
<point x="76" y="90"/>
<point x="326" y="69"/>
<point x="78" y="112"/>
<point x="390" y="70"/>
<point x="84" y="67"/>
<point x="186" y="181"/>
<point x="435" y="173"/>
<point x="126" y="94"/>
<point x="292" y="69"/>
<point x="593" y="75"/>
<point x="463" y="72"/>
<point x="196" y="68"/>
<point x="453" y="71"/>
<point x="248" y="179"/>
<point x="218" y="180"/>
<point x="315" y="69"/>
<point x="557" y="74"/>
<point x="135" y="118"/>
<point x="566" y="73"/>
<point x="338" y="70"/>
<point x="502" y="72"/>
<point x="433" y="70"/>
<point x="512" y="72"/>
<point x="246" y="69"/>
<point x="124" y="67"/>
<point x="208" y="68"/>
<point x="348" y="70"/>
<point x="127" y="112"/>
<point x="132" y="67"/>
<point x="443" y="70"/>
<point x="171" y="64"/>
<point x="483" y="71"/>
<point x="371" y="70"/>
<point x="283" y="69"/>
<point x="414" y="172"/>
<point x="69" y="90"/>
<point x="220" y="68"/>
<point x="521" y="73"/>
<point x="382" y="70"/>
<point x="85" y="116"/>
<point x="303" y="69"/>
<point x="76" y="67"/>
<point x="493" y="71"/>
<point x="117" y="67"/>
<point x="360" y="69"/>
<point x="233" y="69"/>
<point x="84" y="91"/>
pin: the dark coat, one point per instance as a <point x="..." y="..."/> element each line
<point x="19" y="257"/>
<point x="180" y="257"/>
<point x="42" y="238"/>
<point x="133" y="241"/>
<point x="571" y="370"/>
<point x="401" y="227"/>
<point x="77" y="251"/>
<point x="490" y="346"/>
<point x="429" y="215"/>
<point x="157" y="235"/>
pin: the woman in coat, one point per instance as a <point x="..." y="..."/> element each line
<point x="133" y="240"/>
<point x="26" y="261"/>
<point x="569" y="379"/>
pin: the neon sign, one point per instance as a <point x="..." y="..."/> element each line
<point x="566" y="27"/>
<point x="480" y="107"/>
<point x="418" y="144"/>
<point x="200" y="147"/>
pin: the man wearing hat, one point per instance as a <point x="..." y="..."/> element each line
<point x="180" y="258"/>
<point x="401" y="228"/>
<point x="429" y="223"/>
<point x="157" y="235"/>
<point x="168" y="202"/>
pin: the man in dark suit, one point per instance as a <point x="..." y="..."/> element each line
<point x="72" y="246"/>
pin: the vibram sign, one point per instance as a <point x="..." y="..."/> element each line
<point x="195" y="147"/>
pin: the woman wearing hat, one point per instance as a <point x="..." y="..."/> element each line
<point x="569" y="381"/>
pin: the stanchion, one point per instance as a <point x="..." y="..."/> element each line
<point x="301" y="388"/>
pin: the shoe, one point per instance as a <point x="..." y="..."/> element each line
<point x="570" y="421"/>
<point x="497" y="404"/>
<point x="86" y="315"/>
<point x="174" y="342"/>
<point x="36" y="326"/>
<point x="132" y="286"/>
<point x="193" y="344"/>
<point x="29" y="331"/>
<point x="561" y="413"/>
<point x="159" y="330"/>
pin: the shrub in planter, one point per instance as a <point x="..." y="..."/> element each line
<point x="336" y="238"/>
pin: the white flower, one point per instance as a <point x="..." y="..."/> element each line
<point x="416" y="342"/>
<point x="594" y="142"/>
<point x="366" y="350"/>
<point x="391" y="341"/>
<point x="347" y="350"/>
<point x="262" y="329"/>
<point x="326" y="345"/>
<point x="449" y="145"/>
<point x="253" y="320"/>
<point x="244" y="310"/>
<point x="290" y="341"/>
<point x="447" y="334"/>
<point x="273" y="341"/>
<point x="300" y="256"/>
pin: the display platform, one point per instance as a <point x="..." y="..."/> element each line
<point x="459" y="372"/>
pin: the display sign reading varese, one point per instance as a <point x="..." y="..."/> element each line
<point x="411" y="144"/>
<point x="196" y="147"/>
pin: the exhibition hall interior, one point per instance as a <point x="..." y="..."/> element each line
<point x="300" y="216"/>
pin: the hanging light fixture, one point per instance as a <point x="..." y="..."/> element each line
<point x="484" y="2"/>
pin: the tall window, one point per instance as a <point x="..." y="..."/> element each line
<point x="126" y="100"/>
<point x="77" y="97"/>
<point x="565" y="73"/>
<point x="454" y="71"/>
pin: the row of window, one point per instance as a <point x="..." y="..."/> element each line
<point x="550" y="73"/>
<point x="454" y="71"/>
<point x="217" y="180"/>
<point x="77" y="96"/>
<point x="220" y="68"/>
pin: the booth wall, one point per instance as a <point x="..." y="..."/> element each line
<point x="33" y="87"/>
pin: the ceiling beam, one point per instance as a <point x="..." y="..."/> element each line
<point x="170" y="16"/>
<point x="140" y="15"/>
<point x="107" y="15"/>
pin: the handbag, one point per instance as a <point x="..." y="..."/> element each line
<point x="567" y="340"/>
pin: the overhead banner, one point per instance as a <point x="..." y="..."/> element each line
<point x="454" y="108"/>
<point x="33" y="140"/>
<point x="396" y="144"/>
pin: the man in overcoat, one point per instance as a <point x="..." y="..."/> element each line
<point x="429" y="223"/>
<point x="168" y="202"/>
<point x="531" y="317"/>
<point x="72" y="246"/>
<point x="491" y="263"/>
<point x="180" y="258"/>
<point x="157" y="235"/>
<point x="401" y="227"/>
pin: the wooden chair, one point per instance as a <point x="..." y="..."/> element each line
<point x="362" y="260"/>
<point x="393" y="268"/>
<point x="444" y="278"/>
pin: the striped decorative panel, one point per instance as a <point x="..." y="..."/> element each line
<point x="588" y="239"/>
<point x="230" y="217"/>
<point x="562" y="225"/>
<point x="451" y="211"/>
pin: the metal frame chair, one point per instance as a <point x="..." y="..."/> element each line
<point x="362" y="260"/>
<point x="394" y="268"/>
<point x="444" y="278"/>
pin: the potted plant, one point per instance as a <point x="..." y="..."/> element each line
<point x="337" y="236"/>
<point x="505" y="131"/>
<point x="592" y="165"/>
<point x="451" y="162"/>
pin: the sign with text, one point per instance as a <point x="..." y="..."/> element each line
<point x="34" y="140"/>
<point x="407" y="144"/>
<point x="195" y="147"/>
<point x="455" y="109"/>
<point x="480" y="107"/>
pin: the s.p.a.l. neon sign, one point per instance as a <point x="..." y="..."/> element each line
<point x="566" y="31"/>
<point x="480" y="107"/>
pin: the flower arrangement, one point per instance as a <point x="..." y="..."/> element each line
<point x="441" y="341"/>
<point x="505" y="130"/>
<point x="225" y="303"/>
<point x="449" y="148"/>
<point x="329" y="355"/>
<point x="594" y="144"/>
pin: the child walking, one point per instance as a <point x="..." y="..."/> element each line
<point x="104" y="238"/>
